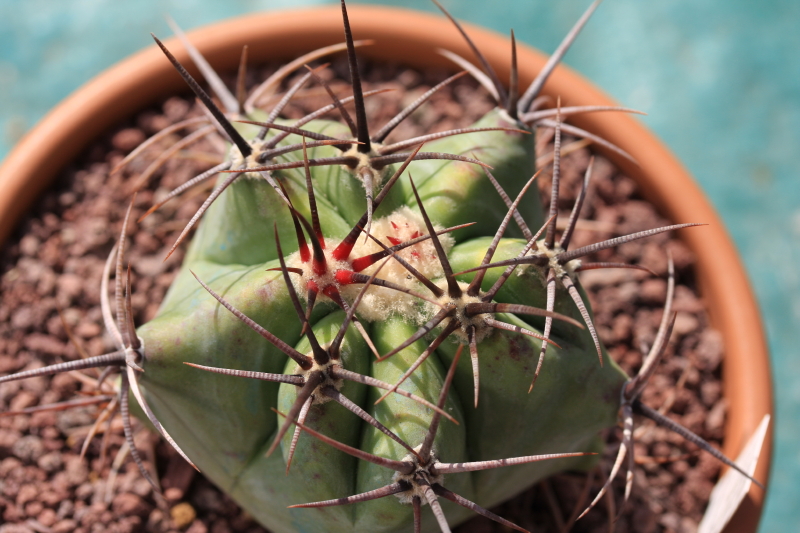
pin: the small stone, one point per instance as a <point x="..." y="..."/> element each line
<point x="182" y="515"/>
<point x="22" y="318"/>
<point x="197" y="527"/>
<point x="29" y="448"/>
<point x="688" y="525"/>
<point x="709" y="350"/>
<point x="687" y="301"/>
<point x="44" y="344"/>
<point x="127" y="504"/>
<point x="710" y="392"/>
<point x="29" y="245"/>
<point x="141" y="486"/>
<point x="716" y="417"/>
<point x="8" y="465"/>
<point x="63" y="384"/>
<point x="685" y="324"/>
<point x="173" y="494"/>
<point x="150" y="266"/>
<point x="88" y="330"/>
<point x="51" y="498"/>
<point x="12" y="513"/>
<point x="670" y="521"/>
<point x="91" y="515"/>
<point x="26" y="493"/>
<point x="73" y="418"/>
<point x="84" y="491"/>
<point x="653" y="291"/>
<point x="175" y="109"/>
<point x="34" y="508"/>
<point x="65" y="509"/>
<point x="15" y="528"/>
<point x="47" y="517"/>
<point x="76" y="471"/>
<point x="23" y="400"/>
<point x="220" y="526"/>
<point x="70" y="285"/>
<point x="64" y="526"/>
<point x="127" y="139"/>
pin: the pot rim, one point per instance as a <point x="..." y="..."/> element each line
<point x="733" y="309"/>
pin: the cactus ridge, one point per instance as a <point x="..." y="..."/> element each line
<point x="445" y="301"/>
<point x="419" y="476"/>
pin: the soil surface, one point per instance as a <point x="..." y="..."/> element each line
<point x="50" y="289"/>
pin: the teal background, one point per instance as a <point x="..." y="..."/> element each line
<point x="719" y="79"/>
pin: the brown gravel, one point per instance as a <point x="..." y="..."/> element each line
<point x="55" y="260"/>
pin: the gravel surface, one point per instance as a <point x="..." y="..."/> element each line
<point x="50" y="283"/>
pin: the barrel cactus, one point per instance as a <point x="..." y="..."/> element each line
<point x="353" y="331"/>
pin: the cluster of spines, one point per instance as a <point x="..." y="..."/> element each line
<point x="420" y="475"/>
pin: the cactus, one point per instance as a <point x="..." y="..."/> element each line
<point x="300" y="361"/>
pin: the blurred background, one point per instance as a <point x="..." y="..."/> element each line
<point x="719" y="80"/>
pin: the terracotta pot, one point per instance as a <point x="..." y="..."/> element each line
<point x="147" y="77"/>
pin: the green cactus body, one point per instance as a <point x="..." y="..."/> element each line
<point x="455" y="192"/>
<point x="236" y="237"/>
<point x="225" y="424"/>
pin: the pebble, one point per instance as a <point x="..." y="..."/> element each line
<point x="685" y="324"/>
<point x="26" y="493"/>
<point x="29" y="245"/>
<point x="72" y="418"/>
<point x="64" y="526"/>
<point x="15" y="528"/>
<point x="70" y="285"/>
<point x="127" y="139"/>
<point x="28" y="448"/>
<point x="127" y="504"/>
<point x="23" y="400"/>
<point x="22" y="318"/>
<point x="653" y="291"/>
<point x="44" y="344"/>
<point x="197" y="527"/>
<point x="47" y="517"/>
<point x="34" y="508"/>
<point x="182" y="515"/>
<point x="76" y="470"/>
<point x="65" y="509"/>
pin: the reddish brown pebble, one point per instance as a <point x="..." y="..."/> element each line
<point x="127" y="139"/>
<point x="15" y="528"/>
<point x="26" y="493"/>
<point x="685" y="324"/>
<point x="127" y="504"/>
<point x="64" y="384"/>
<point x="173" y="494"/>
<point x="197" y="527"/>
<point x="33" y="509"/>
<point x="47" y="517"/>
<point x="51" y="498"/>
<point x="29" y="245"/>
<point x="653" y="291"/>
<point x="87" y="330"/>
<point x="23" y="400"/>
<point x="64" y="526"/>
